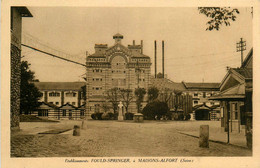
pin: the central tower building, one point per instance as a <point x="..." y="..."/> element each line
<point x="116" y="66"/>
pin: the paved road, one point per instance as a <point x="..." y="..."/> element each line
<point x="113" y="138"/>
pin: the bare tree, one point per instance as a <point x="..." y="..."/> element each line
<point x="127" y="96"/>
<point x="177" y="100"/>
<point x="166" y="95"/>
<point x="113" y="96"/>
<point x="139" y="93"/>
<point x="105" y="106"/>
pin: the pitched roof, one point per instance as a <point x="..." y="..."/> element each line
<point x="24" y="11"/>
<point x="201" y="85"/>
<point x="245" y="72"/>
<point x="204" y="106"/>
<point x="48" y="104"/>
<point x="215" y="106"/>
<point x="67" y="106"/>
<point x="248" y="57"/>
<point x="59" y="85"/>
<point x="201" y="107"/>
<point x="235" y="92"/>
<point x="82" y="107"/>
<point x="123" y="48"/>
<point x="161" y="83"/>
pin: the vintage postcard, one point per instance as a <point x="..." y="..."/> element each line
<point x="129" y="84"/>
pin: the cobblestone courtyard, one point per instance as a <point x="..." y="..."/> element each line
<point x="113" y="138"/>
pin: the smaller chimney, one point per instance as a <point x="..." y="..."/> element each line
<point x="163" y="57"/>
<point x="141" y="46"/>
<point x="155" y="59"/>
<point x="133" y="42"/>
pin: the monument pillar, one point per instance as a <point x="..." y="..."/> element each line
<point x="120" y="113"/>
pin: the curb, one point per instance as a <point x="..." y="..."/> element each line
<point x="220" y="142"/>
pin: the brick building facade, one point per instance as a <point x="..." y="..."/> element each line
<point x="16" y="30"/>
<point x="116" y="66"/>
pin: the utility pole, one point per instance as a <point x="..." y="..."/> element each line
<point x="228" y="114"/>
<point x="241" y="46"/>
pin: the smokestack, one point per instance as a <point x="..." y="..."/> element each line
<point x="163" y="58"/>
<point x="133" y="42"/>
<point x="141" y="46"/>
<point x="155" y="61"/>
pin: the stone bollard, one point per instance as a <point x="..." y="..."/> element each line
<point x="204" y="136"/>
<point x="82" y="124"/>
<point x="76" y="130"/>
<point x="138" y="117"/>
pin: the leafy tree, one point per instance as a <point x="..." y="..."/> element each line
<point x="155" y="110"/>
<point x="153" y="93"/>
<point x="139" y="93"/>
<point x="113" y="95"/>
<point x="218" y="16"/>
<point x="29" y="92"/>
<point x="127" y="96"/>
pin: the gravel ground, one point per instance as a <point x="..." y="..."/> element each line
<point x="122" y="139"/>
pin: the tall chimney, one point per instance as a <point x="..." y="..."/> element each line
<point x="155" y="59"/>
<point x="141" y="46"/>
<point x="163" y="58"/>
<point x="133" y="42"/>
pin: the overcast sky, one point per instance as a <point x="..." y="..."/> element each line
<point x="192" y="54"/>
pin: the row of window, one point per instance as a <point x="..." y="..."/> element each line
<point x="64" y="113"/>
<point x="120" y="63"/>
<point x="97" y="88"/>
<point x="97" y="70"/>
<point x="71" y="94"/>
<point x="204" y="94"/>
<point x="118" y="71"/>
<point x="144" y="60"/>
<point x="54" y="94"/>
<point x="97" y="79"/>
<point x="97" y="59"/>
<point x="197" y="102"/>
<point x="57" y="94"/>
<point x="58" y="103"/>
<point x="100" y="70"/>
<point x="140" y="71"/>
<point x="45" y="113"/>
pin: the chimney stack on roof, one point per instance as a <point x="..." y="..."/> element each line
<point x="141" y="46"/>
<point x="163" y="58"/>
<point x="155" y="59"/>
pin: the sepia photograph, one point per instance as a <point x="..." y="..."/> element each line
<point x="131" y="84"/>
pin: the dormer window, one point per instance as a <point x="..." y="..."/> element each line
<point x="71" y="94"/>
<point x="54" y="94"/>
